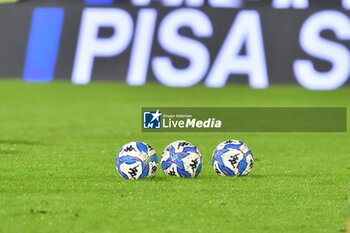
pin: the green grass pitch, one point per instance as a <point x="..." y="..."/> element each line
<point x="57" y="174"/>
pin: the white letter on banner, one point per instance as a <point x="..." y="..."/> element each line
<point x="283" y="4"/>
<point x="246" y="29"/>
<point x="193" y="50"/>
<point x="226" y="3"/>
<point x="142" y="46"/>
<point x="90" y="46"/>
<point x="177" y="3"/>
<point x="346" y="4"/>
<point x="313" y="44"/>
<point x="141" y="2"/>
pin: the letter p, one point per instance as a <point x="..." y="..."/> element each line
<point x="91" y="46"/>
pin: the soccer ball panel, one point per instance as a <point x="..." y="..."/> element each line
<point x="232" y="158"/>
<point x="182" y="159"/>
<point x="250" y="162"/>
<point x="217" y="168"/>
<point x="131" y="171"/>
<point x="136" y="160"/>
<point x="191" y="163"/>
<point x="181" y="146"/>
<point x="153" y="164"/>
<point x="172" y="170"/>
<point x="129" y="149"/>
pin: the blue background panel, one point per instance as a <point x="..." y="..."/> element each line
<point x="98" y="2"/>
<point x="43" y="44"/>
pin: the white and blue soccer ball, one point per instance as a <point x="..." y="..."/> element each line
<point x="182" y="159"/>
<point x="136" y="160"/>
<point x="232" y="158"/>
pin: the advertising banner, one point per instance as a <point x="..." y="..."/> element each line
<point x="178" y="43"/>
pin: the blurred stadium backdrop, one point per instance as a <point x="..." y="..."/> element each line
<point x="178" y="42"/>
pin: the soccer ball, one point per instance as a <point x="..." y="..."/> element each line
<point x="182" y="159"/>
<point x="136" y="160"/>
<point x="232" y="158"/>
